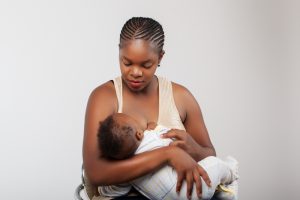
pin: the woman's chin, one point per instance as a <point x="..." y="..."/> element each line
<point x="136" y="89"/>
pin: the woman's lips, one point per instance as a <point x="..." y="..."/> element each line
<point x="135" y="84"/>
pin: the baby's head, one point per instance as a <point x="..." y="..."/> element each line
<point x="119" y="136"/>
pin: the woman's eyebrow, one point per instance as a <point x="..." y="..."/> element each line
<point x="123" y="57"/>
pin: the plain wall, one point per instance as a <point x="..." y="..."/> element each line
<point x="240" y="59"/>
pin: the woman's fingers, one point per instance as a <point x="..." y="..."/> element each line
<point x="189" y="184"/>
<point x="204" y="176"/>
<point x="198" y="183"/>
<point x="178" y="143"/>
<point x="192" y="178"/>
<point x="180" y="178"/>
<point x="188" y="170"/>
<point x="173" y="133"/>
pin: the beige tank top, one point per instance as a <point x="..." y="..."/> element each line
<point x="168" y="114"/>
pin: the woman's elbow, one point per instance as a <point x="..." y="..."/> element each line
<point x="94" y="175"/>
<point x="95" y="178"/>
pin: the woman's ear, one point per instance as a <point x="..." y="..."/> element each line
<point x="139" y="135"/>
<point x="161" y="55"/>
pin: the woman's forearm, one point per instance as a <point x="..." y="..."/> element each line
<point x="203" y="152"/>
<point x="106" y="172"/>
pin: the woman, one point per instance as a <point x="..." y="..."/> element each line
<point x="147" y="98"/>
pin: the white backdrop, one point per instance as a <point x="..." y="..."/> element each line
<point x="240" y="59"/>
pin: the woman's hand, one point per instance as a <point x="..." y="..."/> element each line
<point x="189" y="170"/>
<point x="184" y="141"/>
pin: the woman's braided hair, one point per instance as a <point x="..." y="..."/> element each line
<point x="143" y="28"/>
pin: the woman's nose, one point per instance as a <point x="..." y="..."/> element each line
<point x="136" y="71"/>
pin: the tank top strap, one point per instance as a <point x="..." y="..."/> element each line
<point x="118" y="88"/>
<point x="168" y="113"/>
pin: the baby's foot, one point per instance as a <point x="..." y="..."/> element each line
<point x="228" y="192"/>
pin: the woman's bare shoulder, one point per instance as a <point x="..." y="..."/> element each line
<point x="105" y="90"/>
<point x="180" y="91"/>
<point x="104" y="94"/>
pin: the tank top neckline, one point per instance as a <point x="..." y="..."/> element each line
<point x="120" y="96"/>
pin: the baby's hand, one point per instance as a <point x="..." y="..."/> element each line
<point x="151" y="125"/>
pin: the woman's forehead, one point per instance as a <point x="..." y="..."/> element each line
<point x="138" y="50"/>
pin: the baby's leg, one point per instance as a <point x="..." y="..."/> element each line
<point x="218" y="172"/>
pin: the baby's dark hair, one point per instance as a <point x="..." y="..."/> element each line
<point x="111" y="138"/>
<point x="143" y="28"/>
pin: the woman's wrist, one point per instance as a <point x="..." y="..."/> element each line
<point x="172" y="152"/>
<point x="202" y="152"/>
<point x="196" y="154"/>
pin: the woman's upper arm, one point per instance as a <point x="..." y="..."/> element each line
<point x="193" y="119"/>
<point x="99" y="106"/>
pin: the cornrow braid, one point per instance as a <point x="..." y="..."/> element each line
<point x="143" y="28"/>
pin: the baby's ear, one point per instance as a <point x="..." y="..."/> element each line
<point x="139" y="135"/>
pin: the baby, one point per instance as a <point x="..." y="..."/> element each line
<point x="120" y="137"/>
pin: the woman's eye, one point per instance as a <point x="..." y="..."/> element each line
<point x="127" y="64"/>
<point x="147" y="65"/>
